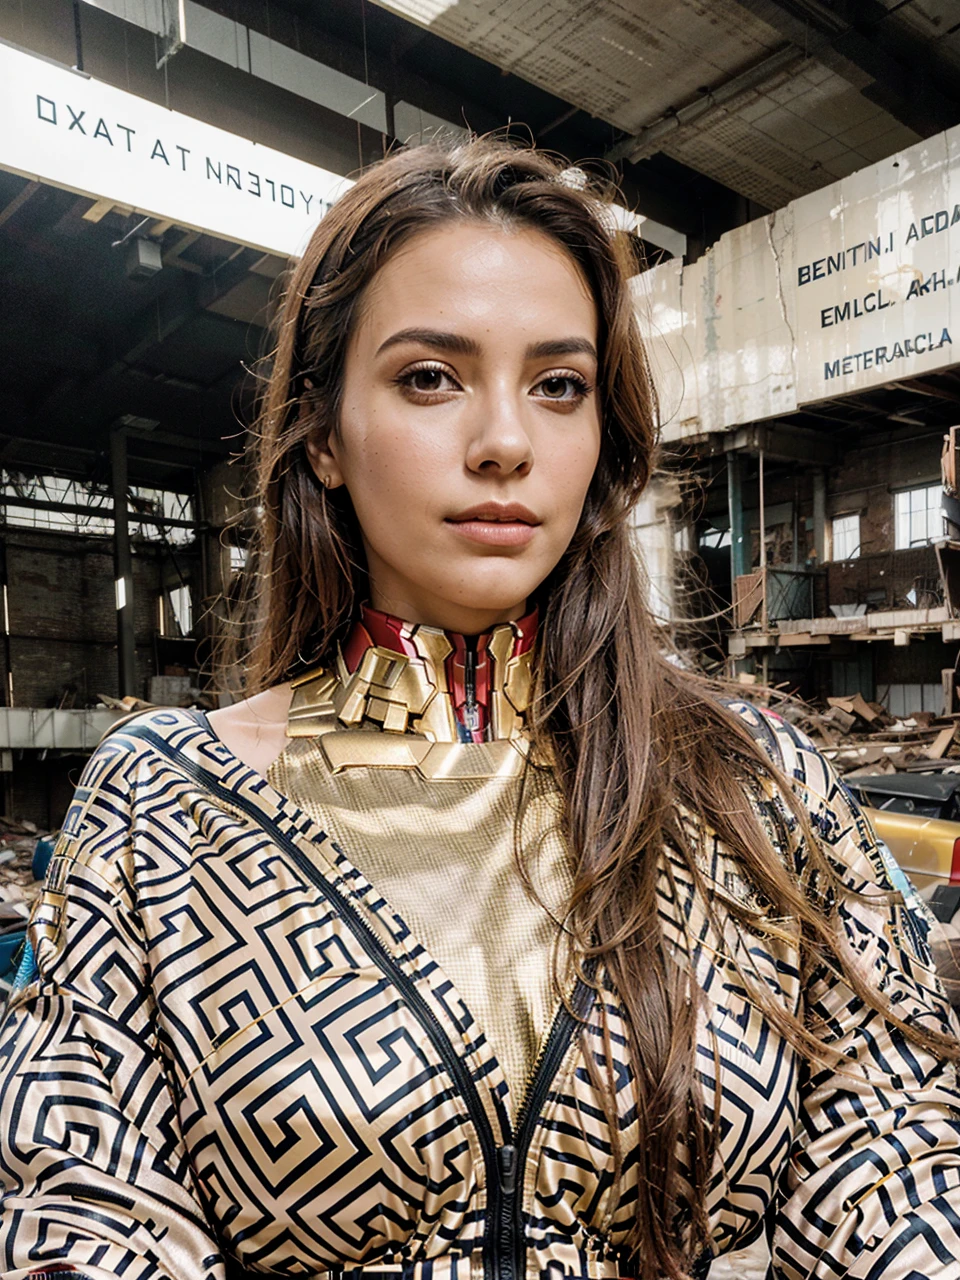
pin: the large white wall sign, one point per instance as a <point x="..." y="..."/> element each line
<point x="64" y="128"/>
<point x="850" y="287"/>
<point x="877" y="272"/>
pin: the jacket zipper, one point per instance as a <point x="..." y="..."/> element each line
<point x="471" y="712"/>
<point x="511" y="1157"/>
<point x="504" y="1248"/>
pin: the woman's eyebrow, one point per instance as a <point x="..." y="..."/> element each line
<point x="459" y="344"/>
<point x="455" y="343"/>
<point x="561" y="347"/>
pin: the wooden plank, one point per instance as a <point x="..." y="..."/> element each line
<point x="98" y="210"/>
<point x="938" y="748"/>
<point x="18" y="201"/>
<point x="795" y="638"/>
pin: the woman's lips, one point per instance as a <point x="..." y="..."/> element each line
<point x="495" y="533"/>
<point x="496" y="524"/>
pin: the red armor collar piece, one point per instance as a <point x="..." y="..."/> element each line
<point x="469" y="678"/>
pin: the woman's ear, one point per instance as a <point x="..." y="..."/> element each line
<point x="319" y="454"/>
<point x="324" y="464"/>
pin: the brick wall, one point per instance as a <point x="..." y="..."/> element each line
<point x="885" y="579"/>
<point x="63" y="615"/>
<point x="867" y="477"/>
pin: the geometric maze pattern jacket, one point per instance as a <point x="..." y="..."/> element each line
<point x="229" y="1056"/>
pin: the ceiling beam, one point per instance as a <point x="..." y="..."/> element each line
<point x="312" y="31"/>
<point x="387" y="74"/>
<point x="901" y="81"/>
<point x="78" y="509"/>
<point x="649" y="140"/>
<point x="877" y="54"/>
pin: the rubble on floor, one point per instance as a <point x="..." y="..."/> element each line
<point x="18" y="840"/>
<point x="861" y="737"/>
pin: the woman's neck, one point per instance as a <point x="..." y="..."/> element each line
<point x="444" y="615"/>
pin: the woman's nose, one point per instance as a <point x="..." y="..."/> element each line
<point x="500" y="441"/>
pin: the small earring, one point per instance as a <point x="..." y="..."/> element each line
<point x="327" y="481"/>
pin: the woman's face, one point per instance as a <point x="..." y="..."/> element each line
<point x="470" y="427"/>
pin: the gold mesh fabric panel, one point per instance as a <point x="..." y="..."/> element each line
<point x="442" y="854"/>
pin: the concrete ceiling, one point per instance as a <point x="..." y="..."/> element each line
<point x="772" y="98"/>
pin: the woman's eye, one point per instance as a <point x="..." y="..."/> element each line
<point x="562" y="388"/>
<point x="427" y="380"/>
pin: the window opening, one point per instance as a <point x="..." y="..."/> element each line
<point x="903" y="700"/>
<point x="919" y="516"/>
<point x="714" y="539"/>
<point x="846" y="537"/>
<point x="60" y="505"/>
<point x="181" y="606"/>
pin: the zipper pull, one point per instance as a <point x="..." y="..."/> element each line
<point x="471" y="712"/>
<point x="507" y="1160"/>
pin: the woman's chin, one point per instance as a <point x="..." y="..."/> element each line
<point x="503" y="599"/>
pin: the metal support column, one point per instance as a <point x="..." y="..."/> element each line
<point x="820" y="515"/>
<point x="739" y="561"/>
<point x="123" y="568"/>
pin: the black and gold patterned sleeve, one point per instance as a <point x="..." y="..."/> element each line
<point x="872" y="1187"/>
<point x="95" y="1178"/>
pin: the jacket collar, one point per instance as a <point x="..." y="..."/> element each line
<point x="404" y="677"/>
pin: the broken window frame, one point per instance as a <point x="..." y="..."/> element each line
<point x="151" y="510"/>
<point x="845" y="536"/>
<point x="917" y="516"/>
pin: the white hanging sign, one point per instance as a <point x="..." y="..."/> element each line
<point x="61" y="127"/>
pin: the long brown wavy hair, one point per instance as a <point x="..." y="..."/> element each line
<point x="636" y="741"/>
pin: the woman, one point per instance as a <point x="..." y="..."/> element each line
<point x="482" y="940"/>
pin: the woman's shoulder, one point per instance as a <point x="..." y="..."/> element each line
<point x="812" y="777"/>
<point x="144" y="762"/>
<point x="136" y="757"/>
<point x="141" y="740"/>
<point x="834" y="815"/>
<point x="251" y="731"/>
<point x="141" y="763"/>
<point x="788" y="748"/>
<point x="255" y="729"/>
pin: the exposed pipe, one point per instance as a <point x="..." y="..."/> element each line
<point x="647" y="141"/>
<point x="556" y="122"/>
<point x="78" y="34"/>
<point x="738" y="547"/>
<point x="123" y="568"/>
<point x="763" y="557"/>
<point x="6" y="693"/>
<point x="763" y="520"/>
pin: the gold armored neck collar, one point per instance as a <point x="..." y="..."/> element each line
<point x="406" y="678"/>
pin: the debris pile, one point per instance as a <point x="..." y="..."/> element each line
<point x="862" y="737"/>
<point x="129" y="704"/>
<point x="18" y="840"/>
